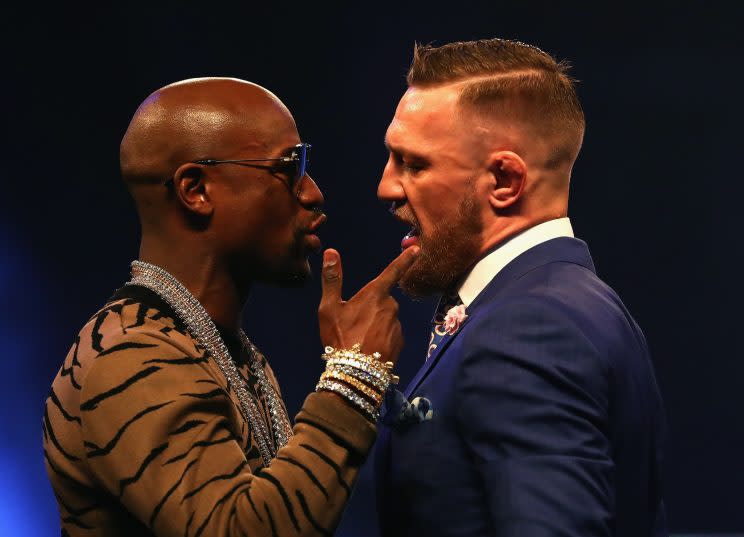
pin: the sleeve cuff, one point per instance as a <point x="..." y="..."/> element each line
<point x="328" y="412"/>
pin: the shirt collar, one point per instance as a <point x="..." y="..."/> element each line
<point x="487" y="268"/>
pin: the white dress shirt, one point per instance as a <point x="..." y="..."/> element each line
<point x="487" y="268"/>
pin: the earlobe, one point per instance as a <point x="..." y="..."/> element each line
<point x="189" y="182"/>
<point x="509" y="172"/>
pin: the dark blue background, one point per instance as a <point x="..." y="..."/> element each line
<point x="656" y="193"/>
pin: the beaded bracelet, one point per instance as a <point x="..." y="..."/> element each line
<point x="351" y="396"/>
<point x="355" y="383"/>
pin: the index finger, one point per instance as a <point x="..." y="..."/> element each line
<point x="397" y="268"/>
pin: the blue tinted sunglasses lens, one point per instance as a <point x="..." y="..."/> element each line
<point x="303" y="159"/>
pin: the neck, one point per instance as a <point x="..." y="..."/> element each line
<point x="206" y="277"/>
<point x="502" y="231"/>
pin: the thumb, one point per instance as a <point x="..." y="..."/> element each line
<point x="332" y="277"/>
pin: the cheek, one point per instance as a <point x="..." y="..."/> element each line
<point x="430" y="205"/>
<point x="435" y="198"/>
<point x="252" y="222"/>
<point x="276" y="227"/>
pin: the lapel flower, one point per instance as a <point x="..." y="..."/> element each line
<point x="401" y="412"/>
<point x="454" y="318"/>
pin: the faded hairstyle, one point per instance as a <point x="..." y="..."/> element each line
<point x="509" y="80"/>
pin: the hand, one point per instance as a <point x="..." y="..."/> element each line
<point x="371" y="316"/>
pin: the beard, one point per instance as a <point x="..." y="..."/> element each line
<point x="291" y="269"/>
<point x="447" y="252"/>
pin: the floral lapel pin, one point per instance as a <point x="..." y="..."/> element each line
<point x="401" y="412"/>
<point x="454" y="318"/>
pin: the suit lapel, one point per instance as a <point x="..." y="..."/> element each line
<point x="433" y="359"/>
<point x="563" y="249"/>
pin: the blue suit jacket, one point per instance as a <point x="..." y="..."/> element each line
<point x="547" y="417"/>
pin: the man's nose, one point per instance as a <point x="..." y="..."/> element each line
<point x="389" y="188"/>
<point x="308" y="194"/>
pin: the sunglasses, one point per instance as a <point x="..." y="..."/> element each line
<point x="295" y="165"/>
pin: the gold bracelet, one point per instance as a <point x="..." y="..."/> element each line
<point x="383" y="374"/>
<point x="355" y="383"/>
<point x="374" y="359"/>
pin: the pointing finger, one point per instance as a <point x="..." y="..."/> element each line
<point x="397" y="268"/>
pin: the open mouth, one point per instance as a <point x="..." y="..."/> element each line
<point x="411" y="238"/>
<point x="404" y="215"/>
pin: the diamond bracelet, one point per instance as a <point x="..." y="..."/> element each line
<point x="357" y="384"/>
<point x="355" y="353"/>
<point x="351" y="396"/>
<point x="380" y="384"/>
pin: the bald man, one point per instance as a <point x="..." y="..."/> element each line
<point x="536" y="401"/>
<point x="164" y="418"/>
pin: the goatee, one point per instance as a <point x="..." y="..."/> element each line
<point x="447" y="252"/>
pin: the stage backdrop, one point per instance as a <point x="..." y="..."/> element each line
<point x="656" y="193"/>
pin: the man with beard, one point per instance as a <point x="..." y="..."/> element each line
<point x="164" y="418"/>
<point x="536" y="412"/>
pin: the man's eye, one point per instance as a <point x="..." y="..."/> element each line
<point x="413" y="166"/>
<point x="285" y="168"/>
<point x="407" y="165"/>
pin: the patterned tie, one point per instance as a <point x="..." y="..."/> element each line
<point x="448" y="301"/>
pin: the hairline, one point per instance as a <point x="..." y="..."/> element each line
<point x="477" y="112"/>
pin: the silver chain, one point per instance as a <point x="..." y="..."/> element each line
<point x="203" y="329"/>
<point x="279" y="419"/>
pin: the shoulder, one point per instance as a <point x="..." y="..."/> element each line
<point x="519" y="316"/>
<point x="561" y="296"/>
<point x="128" y="323"/>
<point x="127" y="338"/>
<point x="534" y="336"/>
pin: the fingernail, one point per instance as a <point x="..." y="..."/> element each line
<point x="329" y="260"/>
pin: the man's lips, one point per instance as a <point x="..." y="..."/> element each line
<point x="313" y="241"/>
<point x="313" y="227"/>
<point x="411" y="239"/>
<point x="310" y="237"/>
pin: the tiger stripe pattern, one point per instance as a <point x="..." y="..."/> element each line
<point x="142" y="436"/>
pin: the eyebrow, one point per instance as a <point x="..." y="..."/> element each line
<point x="403" y="152"/>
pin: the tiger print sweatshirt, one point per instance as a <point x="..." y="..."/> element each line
<point x="142" y="437"/>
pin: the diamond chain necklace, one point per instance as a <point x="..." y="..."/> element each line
<point x="203" y="329"/>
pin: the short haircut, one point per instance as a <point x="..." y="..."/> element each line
<point x="508" y="80"/>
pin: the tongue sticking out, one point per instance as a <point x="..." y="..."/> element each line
<point x="410" y="239"/>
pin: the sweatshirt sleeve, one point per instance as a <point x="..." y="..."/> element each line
<point x="161" y="436"/>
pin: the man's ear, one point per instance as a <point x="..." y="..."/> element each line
<point x="509" y="172"/>
<point x="191" y="190"/>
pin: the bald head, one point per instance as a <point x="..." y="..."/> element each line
<point x="195" y="119"/>
<point x="247" y="221"/>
